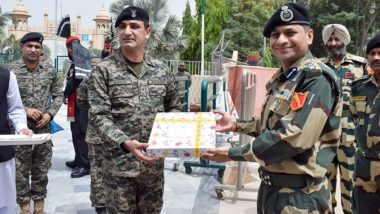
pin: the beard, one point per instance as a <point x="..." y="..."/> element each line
<point x="340" y="53"/>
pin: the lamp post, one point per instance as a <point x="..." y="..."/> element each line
<point x="357" y="26"/>
<point x="203" y="40"/>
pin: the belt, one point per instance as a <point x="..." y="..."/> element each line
<point x="287" y="180"/>
<point x="370" y="154"/>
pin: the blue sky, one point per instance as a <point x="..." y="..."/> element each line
<point x="85" y="8"/>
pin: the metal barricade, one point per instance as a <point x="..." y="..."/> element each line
<point x="204" y="101"/>
<point x="184" y="93"/>
<point x="248" y="91"/>
<point x="185" y="108"/>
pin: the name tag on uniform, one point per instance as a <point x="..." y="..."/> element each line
<point x="359" y="98"/>
<point x="349" y="75"/>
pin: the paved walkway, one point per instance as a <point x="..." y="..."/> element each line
<point x="184" y="194"/>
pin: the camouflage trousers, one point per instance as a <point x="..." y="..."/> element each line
<point x="273" y="199"/>
<point x="134" y="195"/>
<point x="33" y="161"/>
<point x="344" y="161"/>
<point x="367" y="185"/>
<point x="95" y="155"/>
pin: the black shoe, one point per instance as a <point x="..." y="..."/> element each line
<point x="80" y="172"/>
<point x="72" y="164"/>
<point x="101" y="210"/>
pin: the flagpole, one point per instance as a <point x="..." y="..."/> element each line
<point x="203" y="39"/>
<point x="55" y="37"/>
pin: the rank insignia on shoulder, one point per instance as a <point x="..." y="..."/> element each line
<point x="298" y="101"/>
<point x="349" y="75"/>
<point x="359" y="98"/>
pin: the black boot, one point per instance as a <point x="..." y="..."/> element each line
<point x="72" y="164"/>
<point x="101" y="210"/>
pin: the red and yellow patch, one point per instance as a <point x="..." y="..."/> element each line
<point x="298" y="101"/>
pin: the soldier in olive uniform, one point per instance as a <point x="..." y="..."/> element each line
<point x="126" y="90"/>
<point x="298" y="133"/>
<point x="37" y="81"/>
<point x="364" y="106"/>
<point x="347" y="67"/>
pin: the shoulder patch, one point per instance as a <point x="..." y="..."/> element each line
<point x="362" y="78"/>
<point x="359" y="59"/>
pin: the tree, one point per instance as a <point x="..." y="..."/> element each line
<point x="4" y="18"/>
<point x="187" y="21"/>
<point x="356" y="17"/>
<point x="244" y="28"/>
<point x="216" y="13"/>
<point x="164" y="42"/>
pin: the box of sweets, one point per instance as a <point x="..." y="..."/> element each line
<point x="182" y="134"/>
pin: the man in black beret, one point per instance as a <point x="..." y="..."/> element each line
<point x="364" y="106"/>
<point x="125" y="92"/>
<point x="37" y="81"/>
<point x="298" y="133"/>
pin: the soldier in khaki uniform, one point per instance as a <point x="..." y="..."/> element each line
<point x="364" y="106"/>
<point x="347" y="67"/>
<point x="298" y="132"/>
<point x="36" y="81"/>
<point x="126" y="90"/>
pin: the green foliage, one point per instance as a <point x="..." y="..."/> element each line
<point x="267" y="59"/>
<point x="187" y="21"/>
<point x="344" y="12"/>
<point x="245" y="26"/>
<point x="164" y="42"/>
<point x="216" y="13"/>
<point x="4" y="18"/>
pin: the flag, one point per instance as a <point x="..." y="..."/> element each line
<point x="82" y="60"/>
<point x="64" y="27"/>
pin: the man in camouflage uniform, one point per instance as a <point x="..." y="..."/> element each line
<point x="347" y="67"/>
<point x="182" y="84"/>
<point x="297" y="136"/>
<point x="95" y="143"/>
<point x="364" y="106"/>
<point x="37" y="81"/>
<point x="126" y="90"/>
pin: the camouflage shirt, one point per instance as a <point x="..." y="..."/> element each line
<point x="35" y="87"/>
<point x="365" y="105"/>
<point x="351" y="67"/>
<point x="290" y="140"/>
<point x="182" y="84"/>
<point x="123" y="107"/>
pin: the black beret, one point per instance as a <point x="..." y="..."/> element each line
<point x="373" y="43"/>
<point x="33" y="36"/>
<point x="132" y="13"/>
<point x="289" y="14"/>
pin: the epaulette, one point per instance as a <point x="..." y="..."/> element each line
<point x="355" y="58"/>
<point x="324" y="59"/>
<point x="361" y="79"/>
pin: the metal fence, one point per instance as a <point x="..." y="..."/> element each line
<point x="6" y="58"/>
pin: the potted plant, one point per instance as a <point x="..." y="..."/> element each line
<point x="253" y="57"/>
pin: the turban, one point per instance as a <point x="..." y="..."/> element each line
<point x="71" y="39"/>
<point x="340" y="31"/>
